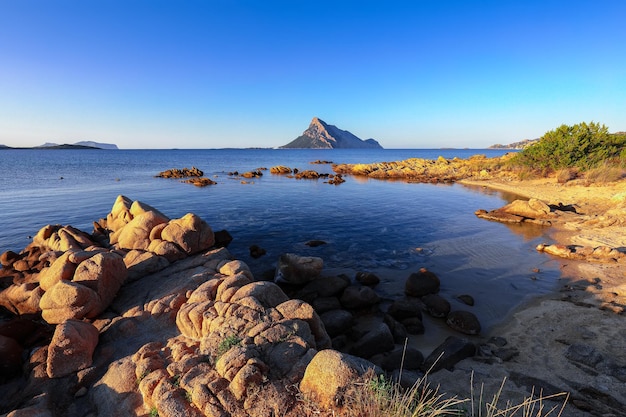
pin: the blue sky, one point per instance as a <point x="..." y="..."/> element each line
<point x="212" y="74"/>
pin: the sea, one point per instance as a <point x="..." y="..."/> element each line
<point x="391" y="228"/>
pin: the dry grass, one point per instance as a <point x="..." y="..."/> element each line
<point x="604" y="174"/>
<point x="378" y="397"/>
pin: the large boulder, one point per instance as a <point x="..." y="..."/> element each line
<point x="359" y="297"/>
<point x="190" y="233"/>
<point x="71" y="348"/>
<point x="92" y="288"/>
<point x="295" y="269"/>
<point x="532" y="208"/>
<point x="330" y="374"/>
<point x="136" y="234"/>
<point x="422" y="283"/>
<point x="449" y="353"/>
<point x="464" y="322"/>
<point x="377" y="340"/>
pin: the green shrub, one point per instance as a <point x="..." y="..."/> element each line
<point x="227" y="343"/>
<point x="583" y="145"/>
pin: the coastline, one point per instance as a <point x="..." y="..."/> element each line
<point x="570" y="339"/>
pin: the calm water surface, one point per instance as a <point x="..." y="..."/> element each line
<point x="387" y="226"/>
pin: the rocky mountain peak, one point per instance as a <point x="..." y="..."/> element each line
<point x="321" y="135"/>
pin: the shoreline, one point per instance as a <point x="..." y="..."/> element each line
<point x="570" y="339"/>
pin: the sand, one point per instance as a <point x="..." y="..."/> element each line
<point x="573" y="340"/>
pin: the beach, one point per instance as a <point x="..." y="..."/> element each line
<point x="569" y="340"/>
<point x="566" y="336"/>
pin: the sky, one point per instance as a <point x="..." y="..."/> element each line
<point x="147" y="74"/>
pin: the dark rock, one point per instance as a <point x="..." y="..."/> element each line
<point x="10" y="358"/>
<point x="506" y="354"/>
<point x="464" y="322"/>
<point x="413" y="325"/>
<point x="336" y="322"/>
<point x="355" y="297"/>
<point x="397" y="329"/>
<point x="256" y="251"/>
<point x="449" y="353"/>
<point x="406" y="307"/>
<point x="399" y="358"/>
<point x="324" y="304"/>
<point x="222" y="238"/>
<point x="584" y="354"/>
<point x="367" y="278"/>
<point x="497" y="341"/>
<point x="315" y="243"/>
<point x="436" y="305"/>
<point x="340" y="342"/>
<point x="323" y="286"/>
<point x="377" y="340"/>
<point x="421" y="283"/>
<point x="466" y="299"/>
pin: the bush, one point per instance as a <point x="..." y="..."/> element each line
<point x="583" y="146"/>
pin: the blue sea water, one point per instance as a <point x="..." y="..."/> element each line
<point x="391" y="227"/>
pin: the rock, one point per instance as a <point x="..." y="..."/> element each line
<point x="336" y="322"/>
<point x="421" y="283"/>
<point x="93" y="287"/>
<point x="222" y="238"/>
<point x="413" y="325"/>
<point x="257" y="251"/>
<point x="324" y="304"/>
<point x="399" y="358"/>
<point x="71" y="348"/>
<point x="406" y="307"/>
<point x="464" y="322"/>
<point x="297" y="309"/>
<point x="532" y="208"/>
<point x="449" y="353"/>
<point x="436" y="305"/>
<point x="8" y="257"/>
<point x="295" y="269"/>
<point x="466" y="299"/>
<point x="356" y="297"/>
<point x="136" y="233"/>
<point x="330" y="374"/>
<point x="398" y="330"/>
<point x="10" y="358"/>
<point x="190" y="233"/>
<point x="266" y="293"/>
<point x="377" y="340"/>
<point x="315" y="243"/>
<point x="280" y="169"/>
<point x="323" y="286"/>
<point x="367" y="278"/>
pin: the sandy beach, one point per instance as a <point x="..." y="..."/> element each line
<point x="573" y="339"/>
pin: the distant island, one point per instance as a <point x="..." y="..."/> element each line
<point x="77" y="145"/>
<point x="321" y="135"/>
<point x="522" y="144"/>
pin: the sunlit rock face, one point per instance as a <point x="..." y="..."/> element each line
<point x="320" y="135"/>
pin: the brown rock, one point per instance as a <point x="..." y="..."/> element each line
<point x="358" y="297"/>
<point x="190" y="233"/>
<point x="71" y="348"/>
<point x="330" y="374"/>
<point x="136" y="234"/>
<point x="295" y="269"/>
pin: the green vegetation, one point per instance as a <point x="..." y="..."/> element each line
<point x="154" y="412"/>
<point x="584" y="146"/>
<point x="227" y="343"/>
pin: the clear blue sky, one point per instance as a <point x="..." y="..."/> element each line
<point x="207" y="74"/>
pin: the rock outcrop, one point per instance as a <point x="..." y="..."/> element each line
<point x="320" y="135"/>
